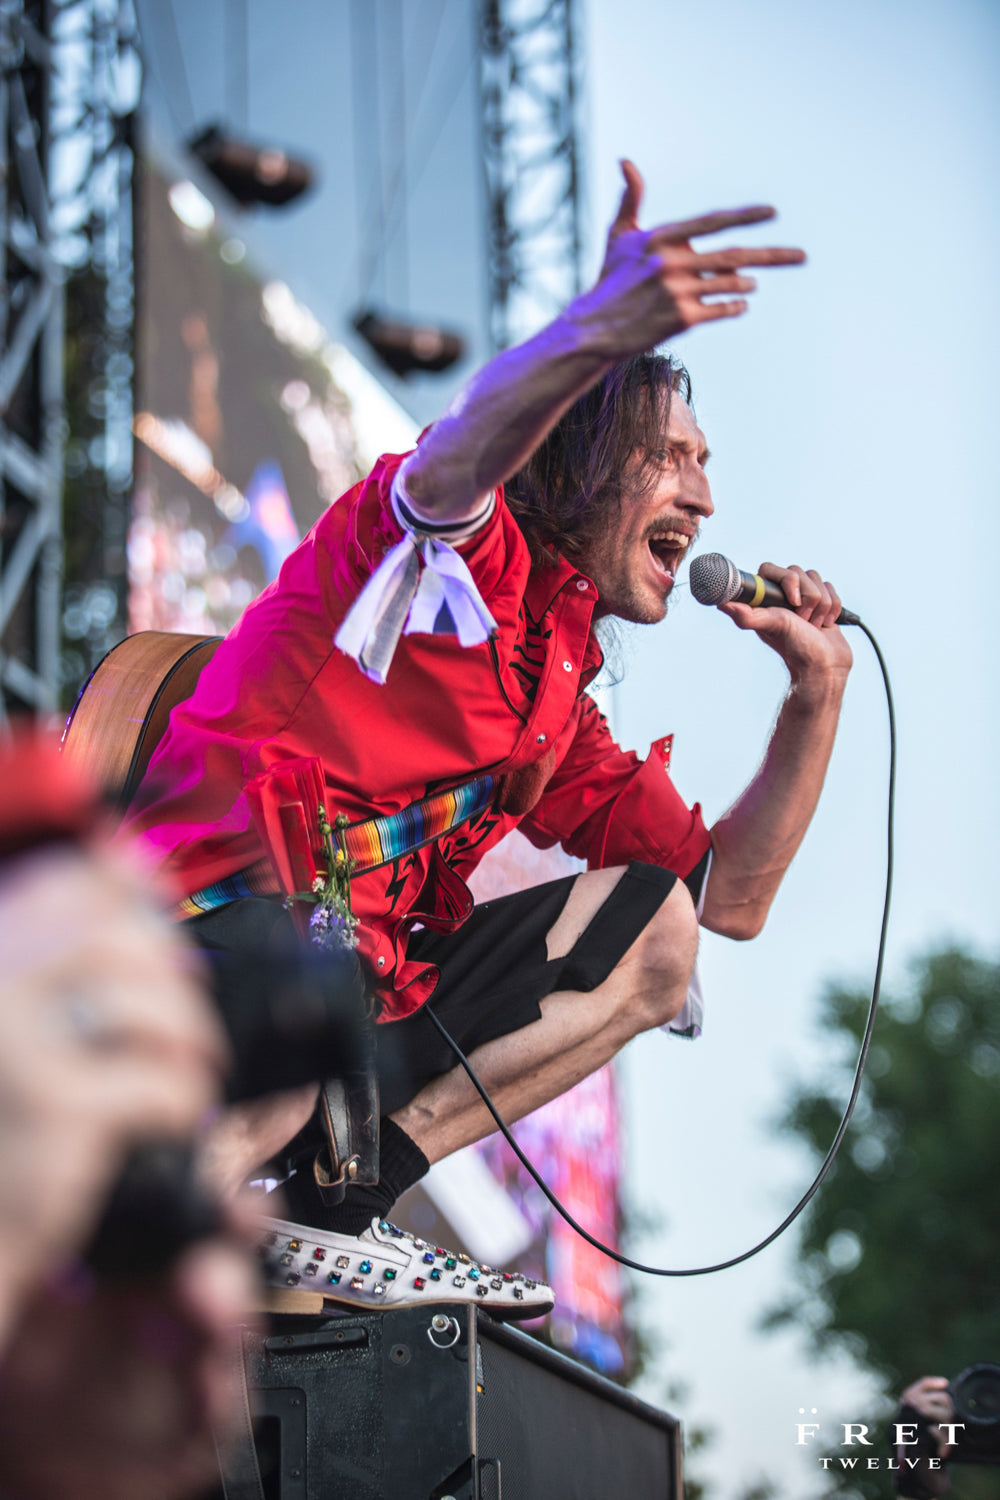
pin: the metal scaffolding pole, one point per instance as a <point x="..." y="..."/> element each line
<point x="69" y="76"/>
<point x="31" y="371"/>
<point x="529" y="66"/>
<point x="97" y="92"/>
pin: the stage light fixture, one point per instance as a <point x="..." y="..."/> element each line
<point x="251" y="173"/>
<point x="409" y="348"/>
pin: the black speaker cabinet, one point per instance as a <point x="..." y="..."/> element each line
<point x="438" y="1402"/>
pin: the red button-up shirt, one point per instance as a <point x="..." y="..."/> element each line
<point x="277" y="689"/>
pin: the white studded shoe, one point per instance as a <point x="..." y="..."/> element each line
<point x="389" y="1267"/>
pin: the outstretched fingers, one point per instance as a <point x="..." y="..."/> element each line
<point x="692" y="291"/>
<point x="685" y="258"/>
<point x="712" y="223"/>
<point x="693" y="277"/>
<point x="710" y="286"/>
<point x="708" y="312"/>
<point x="654" y="284"/>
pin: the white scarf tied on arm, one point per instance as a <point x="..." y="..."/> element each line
<point x="421" y="586"/>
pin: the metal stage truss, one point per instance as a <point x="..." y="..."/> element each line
<point x="31" y="366"/>
<point x="529" y="80"/>
<point x="69" y="77"/>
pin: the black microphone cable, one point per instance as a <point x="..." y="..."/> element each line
<point x="724" y="1265"/>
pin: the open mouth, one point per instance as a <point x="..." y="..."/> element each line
<point x="668" y="549"/>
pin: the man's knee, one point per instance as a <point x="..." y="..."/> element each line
<point x="660" y="961"/>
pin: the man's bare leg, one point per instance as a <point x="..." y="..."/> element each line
<point x="578" y="1032"/>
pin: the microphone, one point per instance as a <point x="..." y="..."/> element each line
<point x="716" y="580"/>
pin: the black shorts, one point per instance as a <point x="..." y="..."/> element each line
<point x="495" y="971"/>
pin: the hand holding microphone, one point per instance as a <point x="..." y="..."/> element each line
<point x="716" y="580"/>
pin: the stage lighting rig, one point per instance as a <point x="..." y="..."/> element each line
<point x="251" y="173"/>
<point x="408" y="348"/>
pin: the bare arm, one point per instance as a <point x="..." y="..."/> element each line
<point x="652" y="286"/>
<point x="755" y="841"/>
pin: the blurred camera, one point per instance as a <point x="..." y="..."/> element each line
<point x="975" y="1394"/>
<point x="292" y="1015"/>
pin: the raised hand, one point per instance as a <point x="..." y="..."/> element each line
<point x="654" y="283"/>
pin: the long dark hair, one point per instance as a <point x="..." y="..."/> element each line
<point x="612" y="440"/>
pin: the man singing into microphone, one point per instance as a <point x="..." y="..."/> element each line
<point x="434" y="634"/>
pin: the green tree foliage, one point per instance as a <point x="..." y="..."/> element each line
<point x="899" y="1252"/>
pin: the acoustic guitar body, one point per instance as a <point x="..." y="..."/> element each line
<point x="122" y="710"/>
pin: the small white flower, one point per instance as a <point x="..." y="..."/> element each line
<point x="331" y="928"/>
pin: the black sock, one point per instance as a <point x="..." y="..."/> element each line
<point x="401" y="1164"/>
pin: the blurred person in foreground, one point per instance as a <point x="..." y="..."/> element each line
<point x="107" y="1389"/>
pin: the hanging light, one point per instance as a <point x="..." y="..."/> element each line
<point x="408" y="348"/>
<point x="252" y="173"/>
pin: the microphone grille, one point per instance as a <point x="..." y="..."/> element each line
<point x="713" y="578"/>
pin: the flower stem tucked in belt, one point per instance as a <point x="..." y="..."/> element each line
<point x="371" y="843"/>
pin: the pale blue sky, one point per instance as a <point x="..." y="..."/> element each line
<point x="852" y="421"/>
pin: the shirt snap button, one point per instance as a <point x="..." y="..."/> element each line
<point x="381" y="963"/>
<point x="540" y="739"/>
<point x="582" y="585"/>
<point x="567" y="666"/>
